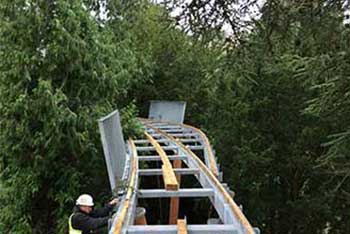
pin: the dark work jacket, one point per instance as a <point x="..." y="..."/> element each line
<point x="90" y="223"/>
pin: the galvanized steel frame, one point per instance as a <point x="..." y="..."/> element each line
<point x="232" y="218"/>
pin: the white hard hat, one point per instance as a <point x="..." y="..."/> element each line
<point x="85" y="200"/>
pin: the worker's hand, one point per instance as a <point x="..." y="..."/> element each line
<point x="114" y="201"/>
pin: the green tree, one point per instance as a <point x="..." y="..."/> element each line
<point x="279" y="92"/>
<point x="180" y="66"/>
<point x="272" y="130"/>
<point x="60" y="70"/>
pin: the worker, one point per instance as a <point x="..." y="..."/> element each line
<point x="85" y="219"/>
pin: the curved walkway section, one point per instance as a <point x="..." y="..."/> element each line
<point x="182" y="150"/>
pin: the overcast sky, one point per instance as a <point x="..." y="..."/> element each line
<point x="254" y="12"/>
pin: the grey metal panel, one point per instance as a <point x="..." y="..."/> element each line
<point x="192" y="229"/>
<point x="172" y="111"/>
<point x="113" y="147"/>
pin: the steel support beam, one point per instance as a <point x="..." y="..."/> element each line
<point x="178" y="171"/>
<point x="175" y="135"/>
<point x="164" y="127"/>
<point x="158" y="158"/>
<point x="195" y="147"/>
<point x="192" y="229"/>
<point x="157" y="193"/>
<point x="190" y="140"/>
<point x="147" y="141"/>
<point x="180" y="130"/>
<point x="151" y="148"/>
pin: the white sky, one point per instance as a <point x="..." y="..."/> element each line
<point x="254" y="13"/>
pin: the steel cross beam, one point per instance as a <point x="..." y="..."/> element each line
<point x="193" y="229"/>
<point x="158" y="193"/>
<point x="177" y="171"/>
<point x="158" y="158"/>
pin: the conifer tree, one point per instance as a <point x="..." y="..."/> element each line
<point x="60" y="70"/>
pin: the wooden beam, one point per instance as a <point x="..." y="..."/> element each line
<point x="169" y="177"/>
<point x="181" y="226"/>
<point x="174" y="201"/>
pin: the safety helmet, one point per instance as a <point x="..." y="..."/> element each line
<point x="85" y="200"/>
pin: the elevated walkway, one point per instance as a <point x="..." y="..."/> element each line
<point x="180" y="150"/>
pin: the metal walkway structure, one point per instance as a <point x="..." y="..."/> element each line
<point x="180" y="150"/>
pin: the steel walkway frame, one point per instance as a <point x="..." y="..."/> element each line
<point x="184" y="141"/>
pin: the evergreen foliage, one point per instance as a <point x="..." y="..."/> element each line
<point x="273" y="98"/>
<point x="60" y="71"/>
